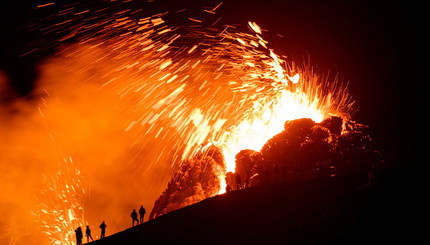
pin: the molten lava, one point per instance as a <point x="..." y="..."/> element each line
<point x="140" y="101"/>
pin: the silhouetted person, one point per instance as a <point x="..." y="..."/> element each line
<point x="134" y="217"/>
<point x="103" y="230"/>
<point x="88" y="234"/>
<point x="142" y="213"/>
<point x="79" y="236"/>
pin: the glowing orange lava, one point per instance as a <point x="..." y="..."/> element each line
<point x="225" y="87"/>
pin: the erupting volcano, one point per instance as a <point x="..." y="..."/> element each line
<point x="165" y="109"/>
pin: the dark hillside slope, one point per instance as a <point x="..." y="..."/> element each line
<point x="320" y="211"/>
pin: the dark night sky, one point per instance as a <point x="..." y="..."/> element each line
<point x="372" y="44"/>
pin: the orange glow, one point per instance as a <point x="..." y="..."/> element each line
<point x="131" y="107"/>
<point x="61" y="210"/>
<point x="237" y="100"/>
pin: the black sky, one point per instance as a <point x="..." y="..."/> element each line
<point x="373" y="45"/>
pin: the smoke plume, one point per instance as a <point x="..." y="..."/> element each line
<point x="70" y="129"/>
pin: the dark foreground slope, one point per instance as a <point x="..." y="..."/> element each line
<point x="321" y="211"/>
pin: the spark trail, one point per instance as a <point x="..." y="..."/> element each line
<point x="198" y="85"/>
<point x="179" y="88"/>
<point x="61" y="208"/>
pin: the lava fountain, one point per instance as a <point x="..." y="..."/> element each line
<point x="172" y="91"/>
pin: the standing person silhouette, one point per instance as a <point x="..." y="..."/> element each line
<point x="103" y="230"/>
<point x="142" y="213"/>
<point x="88" y="234"/>
<point x="134" y="217"/>
<point x="79" y="236"/>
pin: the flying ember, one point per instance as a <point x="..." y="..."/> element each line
<point x="132" y="99"/>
